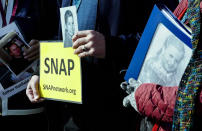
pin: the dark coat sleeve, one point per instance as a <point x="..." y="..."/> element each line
<point x="28" y="19"/>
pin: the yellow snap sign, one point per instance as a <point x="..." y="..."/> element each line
<point x="60" y="73"/>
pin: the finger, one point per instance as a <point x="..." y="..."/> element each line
<point x="79" y="50"/>
<point x="35" y="91"/>
<point x="75" y="37"/>
<point x="83" y="54"/>
<point x="88" y="49"/>
<point x="33" y="48"/>
<point x="33" y="42"/>
<point x="80" y="34"/>
<point x="32" y="55"/>
<point x="88" y="45"/>
<point x="79" y="42"/>
<point x="123" y="85"/>
<point x="29" y="93"/>
<point x="33" y="85"/>
<point x="86" y="53"/>
<point x="126" y="102"/>
<point x="89" y="52"/>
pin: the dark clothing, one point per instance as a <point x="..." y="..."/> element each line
<point x="28" y="19"/>
<point x="23" y="123"/>
<point x="5" y="79"/>
<point x="100" y="77"/>
<point x="18" y="65"/>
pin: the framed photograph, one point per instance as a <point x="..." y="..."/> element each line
<point x="12" y="48"/>
<point x="163" y="51"/>
<point x="69" y="24"/>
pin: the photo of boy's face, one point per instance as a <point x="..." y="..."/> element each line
<point x="70" y="25"/>
<point x="15" y="51"/>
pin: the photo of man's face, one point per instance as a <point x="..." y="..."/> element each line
<point x="172" y="57"/>
<point x="15" y="51"/>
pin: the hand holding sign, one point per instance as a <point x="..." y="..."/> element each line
<point x="32" y="90"/>
<point x="92" y="41"/>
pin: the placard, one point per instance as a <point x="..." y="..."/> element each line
<point x="60" y="73"/>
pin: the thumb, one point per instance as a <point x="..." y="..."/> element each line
<point x="34" y="85"/>
<point x="35" y="89"/>
<point x="126" y="102"/>
<point x="32" y="92"/>
<point x="33" y="42"/>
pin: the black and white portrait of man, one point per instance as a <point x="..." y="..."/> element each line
<point x="166" y="59"/>
<point x="69" y="24"/>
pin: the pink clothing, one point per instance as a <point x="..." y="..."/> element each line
<point x="158" y="102"/>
